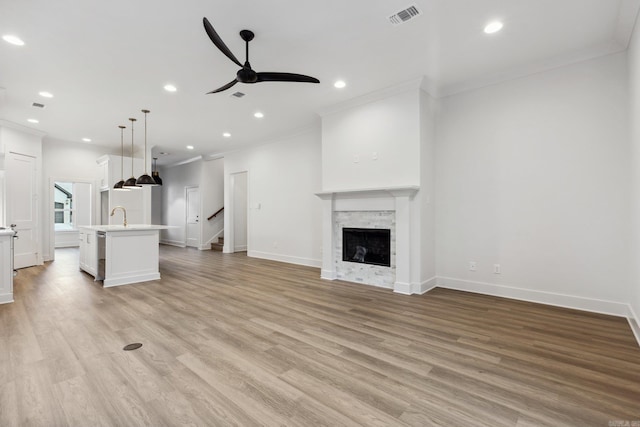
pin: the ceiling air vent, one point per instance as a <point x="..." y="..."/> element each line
<point x="404" y="15"/>
<point x="238" y="94"/>
<point x="38" y="105"/>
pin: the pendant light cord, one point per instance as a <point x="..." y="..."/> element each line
<point x="145" y="140"/>
<point x="132" y="120"/>
<point x="122" y="128"/>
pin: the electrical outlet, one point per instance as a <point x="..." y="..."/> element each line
<point x="356" y="158"/>
<point x="472" y="265"/>
<point x="496" y="268"/>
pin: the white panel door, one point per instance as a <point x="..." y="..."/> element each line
<point x="193" y="216"/>
<point x="22" y="207"/>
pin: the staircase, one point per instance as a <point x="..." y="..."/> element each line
<point x="219" y="245"/>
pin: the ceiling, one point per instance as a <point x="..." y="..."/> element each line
<point x="104" y="61"/>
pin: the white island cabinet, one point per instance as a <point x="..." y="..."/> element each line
<point x="120" y="255"/>
<point x="6" y="266"/>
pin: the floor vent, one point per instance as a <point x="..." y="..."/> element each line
<point x="238" y="94"/>
<point x="133" y="346"/>
<point x="37" y="104"/>
<point x="404" y="15"/>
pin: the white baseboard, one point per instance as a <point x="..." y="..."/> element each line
<point x="402" y="288"/>
<point x="634" y="323"/>
<point x="108" y="283"/>
<point x="173" y="243"/>
<point x="6" y="298"/>
<point x="560" y="300"/>
<point x="424" y="287"/>
<point x="286" y="258"/>
<point x="241" y="248"/>
<point x="328" y="274"/>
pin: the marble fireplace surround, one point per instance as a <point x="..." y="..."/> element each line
<point x="396" y="199"/>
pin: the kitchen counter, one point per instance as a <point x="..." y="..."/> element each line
<point x="129" y="227"/>
<point x="120" y="255"/>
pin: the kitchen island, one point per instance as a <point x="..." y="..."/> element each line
<point x="6" y="265"/>
<point x="121" y="255"/>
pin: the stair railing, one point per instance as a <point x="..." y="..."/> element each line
<point x="214" y="215"/>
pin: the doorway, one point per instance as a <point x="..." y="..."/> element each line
<point x="22" y="210"/>
<point x="192" y="196"/>
<point x="239" y="212"/>
<point x="72" y="206"/>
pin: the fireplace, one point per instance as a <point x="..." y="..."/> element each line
<point x="367" y="246"/>
<point x="372" y="208"/>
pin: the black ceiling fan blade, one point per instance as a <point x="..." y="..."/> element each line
<point x="225" y="87"/>
<point x="215" y="38"/>
<point x="286" y="77"/>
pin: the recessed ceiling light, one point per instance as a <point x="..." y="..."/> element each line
<point x="45" y="94"/>
<point x="493" y="27"/>
<point x="258" y="115"/>
<point x="13" y="40"/>
<point x="170" y="88"/>
<point x="86" y="139"/>
<point x="226" y="135"/>
<point x="189" y="147"/>
<point x="33" y="121"/>
<point x="339" y="84"/>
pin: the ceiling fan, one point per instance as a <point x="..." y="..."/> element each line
<point x="246" y="73"/>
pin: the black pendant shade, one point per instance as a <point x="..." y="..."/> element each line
<point x="119" y="185"/>
<point x="155" y="174"/>
<point x="145" y="179"/>
<point x="131" y="182"/>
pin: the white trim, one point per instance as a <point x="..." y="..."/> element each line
<point x="374" y="96"/>
<point x="560" y="300"/>
<point x="6" y="298"/>
<point x="241" y="248"/>
<point x="328" y="274"/>
<point x="402" y="288"/>
<point x="22" y="128"/>
<point x="286" y="258"/>
<point x="425" y="286"/>
<point x="107" y="283"/>
<point x="177" y="243"/>
<point x="634" y="323"/>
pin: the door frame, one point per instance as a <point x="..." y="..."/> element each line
<point x="95" y="204"/>
<point x="230" y="235"/>
<point x="186" y="215"/>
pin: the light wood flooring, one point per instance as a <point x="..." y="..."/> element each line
<point x="231" y="340"/>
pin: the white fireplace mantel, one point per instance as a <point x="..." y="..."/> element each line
<point x="405" y="191"/>
<point x="398" y="199"/>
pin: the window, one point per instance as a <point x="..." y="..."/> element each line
<point x="63" y="206"/>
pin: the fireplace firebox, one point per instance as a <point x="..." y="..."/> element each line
<point x="367" y="246"/>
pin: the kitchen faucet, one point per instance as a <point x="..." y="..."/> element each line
<point x="124" y="211"/>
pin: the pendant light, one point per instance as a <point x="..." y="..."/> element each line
<point x="119" y="184"/>
<point x="154" y="173"/>
<point x="144" y="178"/>
<point x="131" y="182"/>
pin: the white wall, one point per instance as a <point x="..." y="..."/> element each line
<point x="389" y="127"/>
<point x="533" y="174"/>
<point x="284" y="220"/>
<point x="634" y="91"/>
<point x="174" y="209"/>
<point x="71" y="162"/>
<point x="424" y="205"/>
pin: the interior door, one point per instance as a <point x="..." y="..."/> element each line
<point x="193" y="216"/>
<point x="22" y="210"/>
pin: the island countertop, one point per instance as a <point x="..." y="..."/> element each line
<point x="129" y="227"/>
